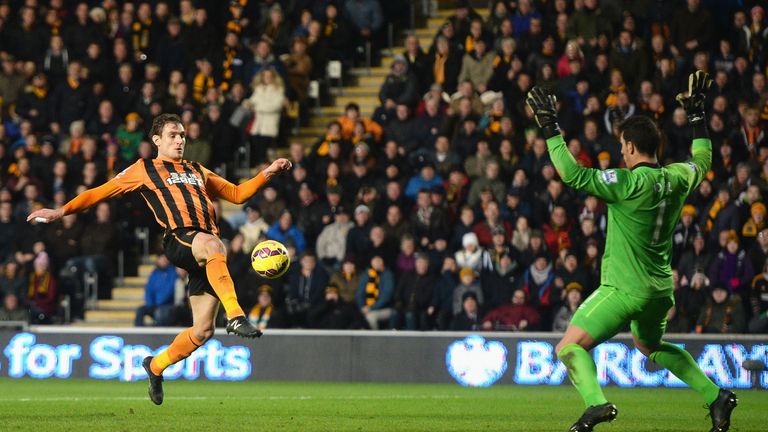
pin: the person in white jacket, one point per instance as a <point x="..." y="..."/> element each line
<point x="332" y="241"/>
<point x="266" y="102"/>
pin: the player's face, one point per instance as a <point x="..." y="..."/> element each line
<point x="171" y="142"/>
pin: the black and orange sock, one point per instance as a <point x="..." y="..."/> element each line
<point x="181" y="347"/>
<point x="221" y="281"/>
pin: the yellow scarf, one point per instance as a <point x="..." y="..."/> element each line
<point x="372" y="288"/>
<point x="38" y="285"/>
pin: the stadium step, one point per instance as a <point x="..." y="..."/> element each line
<point x="117" y="305"/>
<point x="92" y="324"/>
<point x="128" y="294"/>
<point x="110" y="316"/>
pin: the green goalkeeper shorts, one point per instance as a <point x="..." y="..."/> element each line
<point x="608" y="310"/>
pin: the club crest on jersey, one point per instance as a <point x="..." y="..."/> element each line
<point x="184" y="178"/>
<point x="609" y="177"/>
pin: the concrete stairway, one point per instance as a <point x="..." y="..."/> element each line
<point x="120" y="311"/>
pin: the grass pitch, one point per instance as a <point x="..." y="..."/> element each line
<point x="91" y="406"/>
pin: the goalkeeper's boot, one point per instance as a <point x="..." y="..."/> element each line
<point x="242" y="327"/>
<point x="155" y="382"/>
<point x="720" y="410"/>
<point x="594" y="415"/>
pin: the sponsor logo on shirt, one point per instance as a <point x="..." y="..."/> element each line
<point x="184" y="178"/>
<point x="609" y="177"/>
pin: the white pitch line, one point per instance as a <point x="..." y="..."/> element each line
<point x="136" y="398"/>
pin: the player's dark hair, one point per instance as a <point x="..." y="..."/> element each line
<point x="160" y="121"/>
<point x="643" y="134"/>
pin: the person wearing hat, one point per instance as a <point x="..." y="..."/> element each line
<point x="129" y="136"/>
<point x="265" y="314"/>
<point x="398" y="88"/>
<point x="573" y="297"/>
<point x="469" y="317"/>
<point x="753" y="225"/>
<point x="644" y="203"/>
<point x="468" y="283"/>
<point x="331" y="244"/>
<point x="686" y="229"/>
<point x="334" y="312"/>
<point x="723" y="313"/>
<point x="359" y="235"/>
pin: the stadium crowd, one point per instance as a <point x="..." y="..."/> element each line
<point x="442" y="209"/>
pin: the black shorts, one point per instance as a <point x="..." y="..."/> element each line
<point x="178" y="249"/>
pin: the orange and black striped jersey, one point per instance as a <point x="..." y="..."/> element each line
<point x="178" y="192"/>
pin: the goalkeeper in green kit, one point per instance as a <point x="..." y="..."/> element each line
<point x="644" y="203"/>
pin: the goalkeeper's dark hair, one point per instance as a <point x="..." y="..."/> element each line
<point x="160" y="121"/>
<point x="642" y="132"/>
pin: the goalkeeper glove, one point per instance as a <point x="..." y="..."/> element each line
<point x="542" y="103"/>
<point x="693" y="104"/>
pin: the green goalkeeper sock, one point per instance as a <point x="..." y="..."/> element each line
<point x="680" y="363"/>
<point x="583" y="374"/>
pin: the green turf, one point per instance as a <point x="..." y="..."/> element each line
<point x="90" y="406"/>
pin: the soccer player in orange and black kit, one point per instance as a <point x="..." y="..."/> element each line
<point x="179" y="194"/>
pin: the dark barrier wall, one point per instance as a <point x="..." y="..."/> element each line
<point x="467" y="359"/>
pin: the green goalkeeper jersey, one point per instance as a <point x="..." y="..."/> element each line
<point x="644" y="205"/>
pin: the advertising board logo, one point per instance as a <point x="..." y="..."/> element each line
<point x="474" y="362"/>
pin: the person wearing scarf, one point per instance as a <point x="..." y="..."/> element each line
<point x="41" y="293"/>
<point x="264" y="314"/>
<point x="539" y="286"/>
<point x="722" y="314"/>
<point x="375" y="293"/>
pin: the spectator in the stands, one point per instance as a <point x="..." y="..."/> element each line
<point x="12" y="310"/>
<point x="254" y="229"/>
<point x="335" y="312"/>
<point x="413" y="295"/>
<point x="469" y="318"/>
<point x="573" y="298"/>
<point x="331" y="244"/>
<point x="375" y="293"/>
<point x="159" y="294"/>
<point x="266" y="102"/>
<point x="285" y="230"/>
<point x="305" y="287"/>
<point x="399" y="87"/>
<point x="347" y="279"/>
<point x="265" y="314"/>
<point x="723" y="313"/>
<point x="514" y="316"/>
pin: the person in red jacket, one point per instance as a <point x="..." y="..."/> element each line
<point x="517" y="316"/>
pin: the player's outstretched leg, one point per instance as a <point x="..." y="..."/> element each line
<point x="720" y="401"/>
<point x="583" y="375"/>
<point x="219" y="278"/>
<point x="155" y="382"/>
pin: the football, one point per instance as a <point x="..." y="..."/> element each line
<point x="270" y="259"/>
